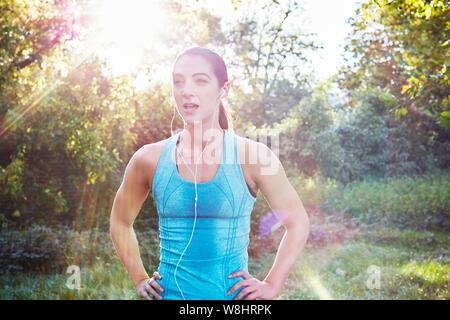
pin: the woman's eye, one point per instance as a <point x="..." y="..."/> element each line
<point x="178" y="82"/>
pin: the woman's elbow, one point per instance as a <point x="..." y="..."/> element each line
<point x="302" y="226"/>
<point x="117" y="228"/>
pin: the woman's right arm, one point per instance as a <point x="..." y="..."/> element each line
<point x="128" y="201"/>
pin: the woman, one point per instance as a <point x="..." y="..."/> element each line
<point x="204" y="207"/>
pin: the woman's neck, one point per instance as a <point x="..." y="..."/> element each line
<point x="193" y="140"/>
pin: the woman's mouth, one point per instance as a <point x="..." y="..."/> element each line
<point x="190" y="106"/>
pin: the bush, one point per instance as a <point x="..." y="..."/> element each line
<point x="368" y="140"/>
<point x="313" y="191"/>
<point x="414" y="201"/>
<point x="45" y="250"/>
<point x="38" y="249"/>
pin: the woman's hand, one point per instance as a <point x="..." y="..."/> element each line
<point x="254" y="289"/>
<point x="149" y="286"/>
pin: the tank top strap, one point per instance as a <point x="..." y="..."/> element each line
<point x="229" y="148"/>
<point x="163" y="169"/>
<point x="232" y="155"/>
<point x="236" y="164"/>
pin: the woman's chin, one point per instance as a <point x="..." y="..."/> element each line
<point x="193" y="119"/>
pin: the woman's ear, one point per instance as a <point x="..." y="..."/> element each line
<point x="225" y="89"/>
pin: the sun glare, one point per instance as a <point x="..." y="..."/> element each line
<point x="124" y="29"/>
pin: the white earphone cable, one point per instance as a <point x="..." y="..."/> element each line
<point x="195" y="202"/>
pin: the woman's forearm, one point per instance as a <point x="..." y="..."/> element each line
<point x="127" y="247"/>
<point x="291" y="245"/>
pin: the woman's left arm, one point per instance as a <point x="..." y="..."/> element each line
<point x="285" y="203"/>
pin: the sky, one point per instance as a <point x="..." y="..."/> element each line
<point x="326" y="18"/>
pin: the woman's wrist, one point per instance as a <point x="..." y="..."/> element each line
<point x="276" y="285"/>
<point x="139" y="281"/>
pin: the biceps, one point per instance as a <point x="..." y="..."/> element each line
<point x="288" y="207"/>
<point x="282" y="199"/>
<point x="281" y="195"/>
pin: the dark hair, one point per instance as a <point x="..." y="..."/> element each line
<point x="220" y="71"/>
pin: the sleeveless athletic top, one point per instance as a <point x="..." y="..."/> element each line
<point x="221" y="236"/>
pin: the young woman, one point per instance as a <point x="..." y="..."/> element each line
<point x="204" y="207"/>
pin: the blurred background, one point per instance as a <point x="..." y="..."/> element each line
<point x="356" y="91"/>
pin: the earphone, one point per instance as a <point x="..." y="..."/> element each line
<point x="222" y="92"/>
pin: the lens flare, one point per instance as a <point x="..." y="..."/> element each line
<point x="125" y="29"/>
<point x="271" y="221"/>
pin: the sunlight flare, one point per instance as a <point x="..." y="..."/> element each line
<point x="125" y="30"/>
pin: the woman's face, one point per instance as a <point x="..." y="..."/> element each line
<point x="195" y="89"/>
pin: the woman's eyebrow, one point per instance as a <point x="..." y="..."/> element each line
<point x="194" y="74"/>
<point x="201" y="73"/>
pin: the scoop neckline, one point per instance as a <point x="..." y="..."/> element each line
<point x="212" y="180"/>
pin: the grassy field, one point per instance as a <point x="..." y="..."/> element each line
<point x="341" y="261"/>
<point x="365" y="269"/>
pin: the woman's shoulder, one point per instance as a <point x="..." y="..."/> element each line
<point x="243" y="141"/>
<point x="250" y="149"/>
<point x="256" y="157"/>
<point x="148" y="155"/>
<point x="151" y="152"/>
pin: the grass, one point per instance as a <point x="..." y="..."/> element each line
<point x="97" y="282"/>
<point x="410" y="264"/>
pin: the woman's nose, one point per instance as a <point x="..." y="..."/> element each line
<point x="187" y="94"/>
<point x="188" y="89"/>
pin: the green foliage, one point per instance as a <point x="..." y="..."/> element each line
<point x="29" y="32"/>
<point x="403" y="46"/>
<point x="38" y="249"/>
<point x="335" y="271"/>
<point x="45" y="250"/>
<point x="419" y="201"/>
<point x="314" y="190"/>
<point x="368" y="141"/>
<point x="342" y="270"/>
<point x="300" y="132"/>
<point x="431" y="273"/>
<point x="430" y="241"/>
<point x="100" y="281"/>
<point x="269" y="47"/>
<point x="69" y="126"/>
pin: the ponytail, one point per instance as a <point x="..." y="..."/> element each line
<point x="225" y="120"/>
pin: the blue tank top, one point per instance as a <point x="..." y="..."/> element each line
<point x="221" y="236"/>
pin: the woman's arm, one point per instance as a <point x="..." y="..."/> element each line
<point x="128" y="201"/>
<point x="284" y="201"/>
<point x="270" y="178"/>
